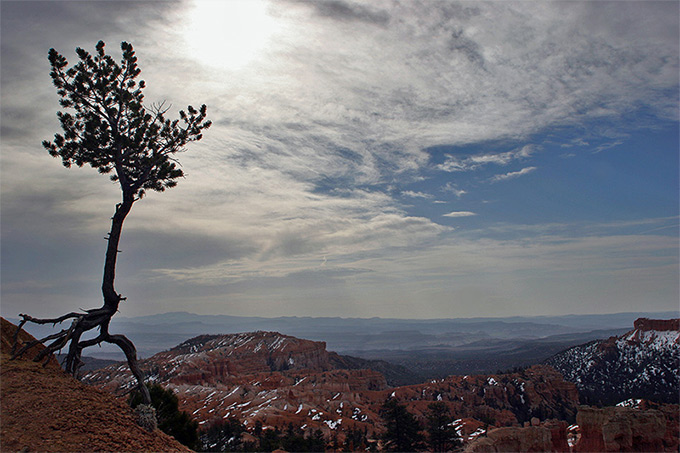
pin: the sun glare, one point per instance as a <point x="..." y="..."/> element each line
<point x="228" y="33"/>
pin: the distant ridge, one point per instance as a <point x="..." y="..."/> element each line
<point x="571" y="319"/>
<point x="363" y="337"/>
<point x="643" y="363"/>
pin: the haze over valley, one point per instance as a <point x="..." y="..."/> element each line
<point x="427" y="348"/>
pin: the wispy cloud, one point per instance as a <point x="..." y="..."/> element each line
<point x="468" y="163"/>
<point x="513" y="174"/>
<point x="307" y="136"/>
<point x="459" y="214"/>
<point x="608" y="145"/>
<point x="412" y="194"/>
<point x="452" y="188"/>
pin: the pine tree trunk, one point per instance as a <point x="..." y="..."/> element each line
<point x="111" y="298"/>
<point x="100" y="317"/>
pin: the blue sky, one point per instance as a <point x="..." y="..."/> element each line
<point x="560" y="182"/>
<point x="396" y="159"/>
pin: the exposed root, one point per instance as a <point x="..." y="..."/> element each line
<point x="81" y="323"/>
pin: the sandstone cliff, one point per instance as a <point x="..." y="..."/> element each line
<point x="615" y="429"/>
<point x="610" y="429"/>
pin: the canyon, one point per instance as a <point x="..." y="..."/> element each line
<point x="279" y="379"/>
<point x="273" y="380"/>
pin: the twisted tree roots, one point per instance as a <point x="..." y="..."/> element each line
<point x="81" y="323"/>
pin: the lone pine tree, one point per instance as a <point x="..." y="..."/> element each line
<point x="108" y="127"/>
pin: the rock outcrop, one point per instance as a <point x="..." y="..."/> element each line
<point x="266" y="376"/>
<point x="529" y="439"/>
<point x="609" y="429"/>
<point x="218" y="358"/>
<point x="500" y="400"/>
<point x="643" y="363"/>
<point x="646" y="324"/>
<point x="558" y="435"/>
<point x="615" y="429"/>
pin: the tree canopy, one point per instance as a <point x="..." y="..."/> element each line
<point x="111" y="129"/>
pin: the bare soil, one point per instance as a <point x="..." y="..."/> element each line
<point x="44" y="409"/>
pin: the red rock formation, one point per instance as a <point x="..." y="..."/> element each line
<point x="646" y="324"/>
<point x="642" y="363"/>
<point x="550" y="436"/>
<point x="671" y="439"/>
<point x="501" y="400"/>
<point x="558" y="435"/>
<point x="612" y="429"/>
<point x="263" y="376"/>
<point x="530" y="439"/>
<point x="279" y="379"/>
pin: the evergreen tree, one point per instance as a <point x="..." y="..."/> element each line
<point x="355" y="440"/>
<point x="106" y="126"/>
<point x="441" y="435"/>
<point x="293" y="439"/>
<point x="223" y="436"/>
<point x="316" y="441"/>
<point x="270" y="439"/>
<point x="402" y="428"/>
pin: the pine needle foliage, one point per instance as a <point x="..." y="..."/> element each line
<point x="109" y="128"/>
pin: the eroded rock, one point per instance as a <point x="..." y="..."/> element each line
<point x="613" y="429"/>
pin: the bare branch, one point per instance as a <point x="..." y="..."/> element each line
<point x="51" y="320"/>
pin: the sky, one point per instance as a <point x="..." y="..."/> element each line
<point x="434" y="159"/>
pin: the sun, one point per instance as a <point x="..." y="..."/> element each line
<point x="228" y="33"/>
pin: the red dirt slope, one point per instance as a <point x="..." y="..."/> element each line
<point x="44" y="409"/>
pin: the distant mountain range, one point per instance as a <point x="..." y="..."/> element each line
<point x="481" y="356"/>
<point x="370" y="337"/>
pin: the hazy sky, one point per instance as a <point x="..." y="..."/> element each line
<point x="396" y="159"/>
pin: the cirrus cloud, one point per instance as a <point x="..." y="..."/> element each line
<point x="513" y="174"/>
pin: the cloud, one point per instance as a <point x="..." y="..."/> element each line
<point x="500" y="275"/>
<point x="513" y="174"/>
<point x="452" y="188"/>
<point x="609" y="145"/>
<point x="459" y="214"/>
<point x="427" y="86"/>
<point x="412" y="194"/>
<point x="344" y="101"/>
<point x="348" y="11"/>
<point x="456" y="163"/>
